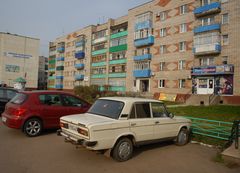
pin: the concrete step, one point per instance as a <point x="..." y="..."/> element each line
<point x="232" y="154"/>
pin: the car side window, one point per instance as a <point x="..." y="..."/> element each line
<point x="11" y="94"/>
<point x="132" y="113"/>
<point x="158" y="110"/>
<point x="71" y="101"/>
<point x="143" y="110"/>
<point x="1" y="93"/>
<point x="51" y="100"/>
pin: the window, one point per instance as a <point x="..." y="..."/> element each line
<point x="158" y="110"/>
<point x="117" y="55"/>
<point x="224" y="59"/>
<point x="143" y="110"/>
<point x="163" y="32"/>
<point x="207" y="61"/>
<point x="182" y="46"/>
<point x="182" y="83"/>
<point x="162" y="49"/>
<point x="225" y="39"/>
<point x="207" y="21"/>
<point x="181" y="65"/>
<point x="183" y="9"/>
<point x="225" y="18"/>
<point x="143" y="17"/>
<point x="162" y="66"/>
<point x="118" y="41"/>
<point x="183" y="28"/>
<point x="162" y="15"/>
<point x="49" y="99"/>
<point x="224" y="1"/>
<point x="71" y="101"/>
<point x="161" y="83"/>
<point x="205" y="2"/>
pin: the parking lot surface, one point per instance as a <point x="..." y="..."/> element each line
<point x="49" y="153"/>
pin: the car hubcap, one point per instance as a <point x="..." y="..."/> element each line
<point x="124" y="150"/>
<point x="182" y="137"/>
<point x="33" y="127"/>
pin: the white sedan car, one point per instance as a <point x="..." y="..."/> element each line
<point x="120" y="123"/>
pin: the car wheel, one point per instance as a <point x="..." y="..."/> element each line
<point x="182" y="137"/>
<point x="32" y="127"/>
<point x="123" y="150"/>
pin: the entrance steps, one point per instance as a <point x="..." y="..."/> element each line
<point x="232" y="154"/>
<point x="198" y="99"/>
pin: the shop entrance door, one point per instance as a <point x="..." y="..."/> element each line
<point x="205" y="86"/>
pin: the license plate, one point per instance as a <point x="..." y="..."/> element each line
<point x="4" y="119"/>
<point x="72" y="127"/>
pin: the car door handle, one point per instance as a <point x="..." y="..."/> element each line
<point x="157" y="122"/>
<point x="133" y="124"/>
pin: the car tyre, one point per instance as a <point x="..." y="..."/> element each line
<point x="182" y="138"/>
<point x="123" y="150"/>
<point x="32" y="127"/>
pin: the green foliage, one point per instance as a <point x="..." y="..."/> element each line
<point x="88" y="93"/>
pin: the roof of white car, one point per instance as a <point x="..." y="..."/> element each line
<point x="130" y="99"/>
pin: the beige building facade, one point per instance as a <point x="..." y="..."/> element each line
<point x="163" y="46"/>
<point x="19" y="57"/>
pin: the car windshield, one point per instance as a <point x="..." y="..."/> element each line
<point x="107" y="108"/>
<point x="19" y="98"/>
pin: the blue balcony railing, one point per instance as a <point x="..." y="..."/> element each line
<point x="60" y="59"/>
<point x="80" y="55"/>
<point x="144" y="41"/>
<point x="79" y="66"/>
<point x="142" y="57"/>
<point x="60" y="49"/>
<point x="142" y="73"/>
<point x="59" y="77"/>
<point x="79" y="77"/>
<point x="207" y="49"/>
<point x="216" y="6"/>
<point x="79" y="43"/>
<point x="143" y="25"/>
<point x="207" y="28"/>
<point x="59" y="86"/>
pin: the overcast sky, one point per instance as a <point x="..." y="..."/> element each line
<point x="49" y="19"/>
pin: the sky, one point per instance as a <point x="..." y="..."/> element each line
<point x="49" y="19"/>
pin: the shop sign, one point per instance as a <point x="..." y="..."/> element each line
<point x="222" y="69"/>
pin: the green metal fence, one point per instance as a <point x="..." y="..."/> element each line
<point x="212" y="128"/>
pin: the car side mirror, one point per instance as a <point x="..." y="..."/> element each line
<point x="171" y="115"/>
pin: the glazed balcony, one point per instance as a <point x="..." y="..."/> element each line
<point x="119" y="34"/>
<point x="117" y="75"/>
<point x="59" y="77"/>
<point x="118" y="61"/>
<point x="59" y="86"/>
<point x="99" y="52"/>
<point x="118" y="88"/>
<point x="98" y="76"/>
<point x="142" y="57"/>
<point x="79" y="66"/>
<point x="100" y="40"/>
<point x="51" y="77"/>
<point x="207" y="28"/>
<point x="79" y="77"/>
<point x="118" y="48"/>
<point x="207" y="49"/>
<point x="146" y="73"/>
<point x="79" y="43"/>
<point x="80" y="55"/>
<point x="99" y="64"/>
<point x="143" y="25"/>
<point x="144" y="41"/>
<point x="60" y="59"/>
<point x="214" y="7"/>
<point x="60" y="49"/>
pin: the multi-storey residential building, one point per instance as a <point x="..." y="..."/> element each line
<point x="19" y="57"/>
<point x="43" y="72"/>
<point x="163" y="46"/>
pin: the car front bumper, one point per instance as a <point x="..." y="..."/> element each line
<point x="75" y="141"/>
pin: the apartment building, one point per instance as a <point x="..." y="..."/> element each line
<point x="163" y="46"/>
<point x="19" y="57"/>
<point x="42" y="72"/>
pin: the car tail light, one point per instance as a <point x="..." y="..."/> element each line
<point x="63" y="125"/>
<point x="19" y="112"/>
<point x="82" y="132"/>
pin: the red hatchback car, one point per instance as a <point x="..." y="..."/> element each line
<point x="33" y="111"/>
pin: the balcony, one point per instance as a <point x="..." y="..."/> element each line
<point x="117" y="75"/>
<point x="142" y="57"/>
<point x="100" y="40"/>
<point x="59" y="86"/>
<point x="143" y="25"/>
<point x="79" y="77"/>
<point x="207" y="49"/>
<point x="118" y="61"/>
<point x="79" y="66"/>
<point x="208" y="9"/>
<point x="60" y="49"/>
<point x="144" y="41"/>
<point x="53" y="61"/>
<point x="118" y="88"/>
<point x="118" y="48"/>
<point x="59" y="77"/>
<point x="146" y="73"/>
<point x="98" y="76"/>
<point x="51" y="69"/>
<point x="60" y="68"/>
<point x="99" y="52"/>
<point x="99" y="64"/>
<point x="51" y="77"/>
<point x="60" y="59"/>
<point x="213" y="70"/>
<point x="207" y="28"/>
<point x="79" y="43"/>
<point x="80" y="55"/>
<point x="119" y="34"/>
